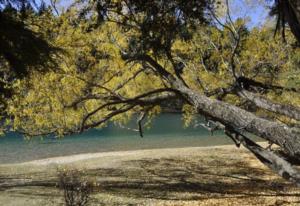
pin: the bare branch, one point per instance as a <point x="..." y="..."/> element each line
<point x="106" y="118"/>
<point x="287" y="110"/>
<point x="139" y="121"/>
<point x="122" y="84"/>
<point x="143" y="99"/>
<point x="229" y="17"/>
<point x="221" y="24"/>
<point x="233" y="54"/>
<point x="53" y="5"/>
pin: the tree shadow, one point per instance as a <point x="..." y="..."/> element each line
<point x="182" y="179"/>
<point x="172" y="179"/>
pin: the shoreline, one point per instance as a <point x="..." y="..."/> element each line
<point x="141" y="153"/>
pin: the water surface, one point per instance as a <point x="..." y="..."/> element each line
<point x="167" y="131"/>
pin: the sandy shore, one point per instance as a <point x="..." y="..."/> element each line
<point x="127" y="154"/>
<point x="220" y="175"/>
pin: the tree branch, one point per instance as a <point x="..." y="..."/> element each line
<point x="141" y="100"/>
<point x="287" y="110"/>
<point x="275" y="162"/>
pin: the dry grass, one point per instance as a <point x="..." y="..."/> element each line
<point x="190" y="176"/>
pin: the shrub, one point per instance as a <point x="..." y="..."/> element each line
<point x="77" y="188"/>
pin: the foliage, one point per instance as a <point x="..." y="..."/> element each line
<point x="94" y="72"/>
<point x="23" y="48"/>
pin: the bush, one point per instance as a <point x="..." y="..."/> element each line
<point x="77" y="189"/>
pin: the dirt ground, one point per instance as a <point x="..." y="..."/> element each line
<point x="185" y="176"/>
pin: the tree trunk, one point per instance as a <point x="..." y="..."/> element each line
<point x="291" y="12"/>
<point x="269" y="158"/>
<point x="239" y="119"/>
<point x="288" y="138"/>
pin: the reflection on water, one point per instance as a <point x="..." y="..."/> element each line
<point x="166" y="132"/>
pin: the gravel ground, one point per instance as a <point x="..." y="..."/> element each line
<point x="222" y="175"/>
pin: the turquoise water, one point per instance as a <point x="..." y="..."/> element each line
<point x="166" y="132"/>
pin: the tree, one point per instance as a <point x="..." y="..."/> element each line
<point x="287" y="12"/>
<point x="121" y="61"/>
<point x="22" y="47"/>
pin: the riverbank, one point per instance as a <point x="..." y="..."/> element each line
<point x="219" y="175"/>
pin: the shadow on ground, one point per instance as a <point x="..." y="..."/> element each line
<point x="173" y="179"/>
<point x="167" y="178"/>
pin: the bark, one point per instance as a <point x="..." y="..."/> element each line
<point x="238" y="119"/>
<point x="235" y="117"/>
<point x="291" y="10"/>
<point x="261" y="102"/>
<point x="270" y="159"/>
<point x="231" y="116"/>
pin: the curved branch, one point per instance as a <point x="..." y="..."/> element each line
<point x="143" y="99"/>
<point x="105" y="119"/>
